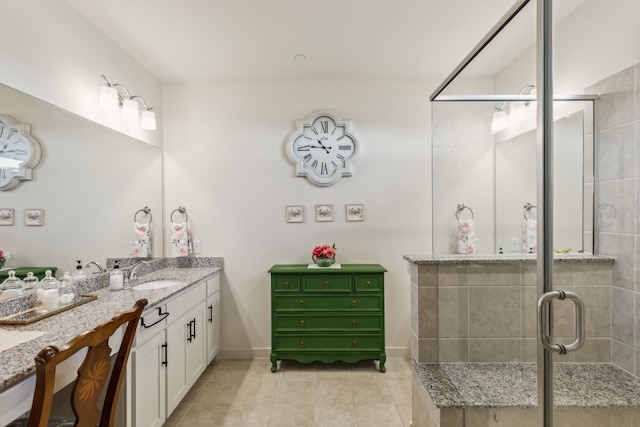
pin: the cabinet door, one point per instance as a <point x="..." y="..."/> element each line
<point x="148" y="382"/>
<point x="213" y="326"/>
<point x="186" y="351"/>
<point x="177" y="384"/>
<point x="196" y="346"/>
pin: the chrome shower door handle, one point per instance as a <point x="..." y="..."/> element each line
<point x="543" y="317"/>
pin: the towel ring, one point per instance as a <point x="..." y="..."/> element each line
<point x="145" y="211"/>
<point x="527" y="208"/>
<point x="460" y="208"/>
<point x="181" y="210"/>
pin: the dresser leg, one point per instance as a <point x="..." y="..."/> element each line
<point x="383" y="359"/>
<point x="274" y="362"/>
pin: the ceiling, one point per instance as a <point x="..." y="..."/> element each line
<point x="209" y="40"/>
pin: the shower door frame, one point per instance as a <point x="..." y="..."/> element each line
<point x="545" y="99"/>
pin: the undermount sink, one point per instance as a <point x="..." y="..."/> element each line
<point x="156" y="284"/>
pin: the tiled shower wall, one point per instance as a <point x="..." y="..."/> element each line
<point x="617" y="220"/>
<point x="486" y="312"/>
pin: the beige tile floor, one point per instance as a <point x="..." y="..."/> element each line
<point x="245" y="393"/>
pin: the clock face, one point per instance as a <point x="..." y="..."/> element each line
<point x="19" y="152"/>
<point x="323" y="149"/>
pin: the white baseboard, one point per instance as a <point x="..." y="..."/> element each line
<point x="250" y="353"/>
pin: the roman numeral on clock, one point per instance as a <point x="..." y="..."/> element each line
<point x="325" y="125"/>
<point x="314" y="164"/>
<point x="307" y="157"/>
<point x="304" y="148"/>
<point x="344" y="147"/>
<point x="323" y="169"/>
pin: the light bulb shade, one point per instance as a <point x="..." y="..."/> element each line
<point x="499" y="121"/>
<point x="130" y="110"/>
<point x="148" y="120"/>
<point x="109" y="98"/>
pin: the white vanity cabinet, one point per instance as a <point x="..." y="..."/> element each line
<point x="213" y="317"/>
<point x="174" y="344"/>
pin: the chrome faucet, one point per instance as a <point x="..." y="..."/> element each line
<point x="100" y="268"/>
<point x="132" y="273"/>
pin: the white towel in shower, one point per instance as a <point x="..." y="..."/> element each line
<point x="141" y="240"/>
<point x="530" y="236"/>
<point x="466" y="243"/>
<point x="180" y="239"/>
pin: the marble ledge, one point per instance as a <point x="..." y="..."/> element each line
<point x="504" y="259"/>
<point x="16" y="363"/>
<point x="514" y="385"/>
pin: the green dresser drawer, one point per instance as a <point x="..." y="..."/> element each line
<point x="368" y="283"/>
<point x="303" y="342"/>
<point x="329" y="302"/>
<point x="285" y="283"/>
<point x="329" y="283"/>
<point x="319" y="323"/>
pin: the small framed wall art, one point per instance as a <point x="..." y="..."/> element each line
<point x="324" y="213"/>
<point x="7" y="216"/>
<point x="295" y="213"/>
<point x="34" y="217"/>
<point x="354" y="212"/>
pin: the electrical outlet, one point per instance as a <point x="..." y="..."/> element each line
<point x="514" y="244"/>
<point x="196" y="246"/>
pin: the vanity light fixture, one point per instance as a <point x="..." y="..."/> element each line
<point x="518" y="111"/>
<point x="114" y="95"/>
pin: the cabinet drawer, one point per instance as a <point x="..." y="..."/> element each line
<point x="327" y="342"/>
<point x="213" y="284"/>
<point x="341" y="324"/>
<point x="330" y="283"/>
<point x="285" y="283"/>
<point x="186" y="300"/>
<point x="368" y="283"/>
<point x="327" y="303"/>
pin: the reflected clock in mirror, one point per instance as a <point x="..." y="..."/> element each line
<point x="19" y="152"/>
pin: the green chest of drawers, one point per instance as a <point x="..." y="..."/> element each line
<point x="327" y="314"/>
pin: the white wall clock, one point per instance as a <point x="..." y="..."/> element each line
<point x="19" y="152"/>
<point x="323" y="148"/>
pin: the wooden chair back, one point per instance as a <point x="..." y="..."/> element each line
<point x="93" y="373"/>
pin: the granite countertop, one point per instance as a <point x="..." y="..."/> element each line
<point x="17" y="363"/>
<point x="501" y="258"/>
<point x="499" y="385"/>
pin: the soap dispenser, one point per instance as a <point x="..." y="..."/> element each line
<point x="79" y="273"/>
<point x="116" y="278"/>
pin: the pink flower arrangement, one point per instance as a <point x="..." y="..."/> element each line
<point x="324" y="251"/>
<point x="4" y="255"/>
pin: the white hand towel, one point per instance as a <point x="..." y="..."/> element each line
<point x="530" y="237"/>
<point x="141" y="240"/>
<point x="180" y="239"/>
<point x="466" y="243"/>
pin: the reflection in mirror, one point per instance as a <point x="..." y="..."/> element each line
<point x="89" y="183"/>
<point x="495" y="175"/>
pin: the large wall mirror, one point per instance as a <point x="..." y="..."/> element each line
<point x="494" y="174"/>
<point x="90" y="182"/>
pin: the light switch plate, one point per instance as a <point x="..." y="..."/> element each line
<point x="196" y="246"/>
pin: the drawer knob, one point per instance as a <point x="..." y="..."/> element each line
<point x="354" y="343"/>
<point x="353" y="303"/>
<point x="368" y="284"/>
<point x="285" y="284"/>
<point x="301" y="343"/>
<point x="302" y="323"/>
<point x="326" y="283"/>
<point x="354" y="323"/>
<point x="301" y="302"/>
